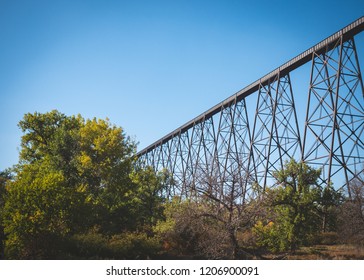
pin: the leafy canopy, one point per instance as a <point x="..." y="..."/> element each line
<point x="297" y="209"/>
<point x="73" y="175"/>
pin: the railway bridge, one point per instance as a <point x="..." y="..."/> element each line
<point x="234" y="146"/>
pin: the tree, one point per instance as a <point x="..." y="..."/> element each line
<point x="224" y="202"/>
<point x="217" y="212"/>
<point x="5" y="176"/>
<point x="328" y="208"/>
<point x="105" y="161"/>
<point x="351" y="218"/>
<point x="188" y="231"/>
<point x="298" y="209"/>
<point x="149" y="195"/>
<point x="72" y="176"/>
<point x="39" y="211"/>
<point x="105" y="155"/>
<point x="53" y="134"/>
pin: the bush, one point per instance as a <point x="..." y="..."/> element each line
<point x="190" y="231"/>
<point x="351" y="223"/>
<point x="328" y="238"/>
<point x="91" y="245"/>
<point x="134" y="246"/>
<point x="269" y="237"/>
<point x="129" y="245"/>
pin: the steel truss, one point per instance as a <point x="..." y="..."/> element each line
<point x="223" y="152"/>
<point x="335" y="115"/>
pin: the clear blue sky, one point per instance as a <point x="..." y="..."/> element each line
<point x="149" y="66"/>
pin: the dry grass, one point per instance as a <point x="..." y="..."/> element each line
<point x="328" y="252"/>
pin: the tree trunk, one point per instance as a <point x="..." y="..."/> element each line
<point x="234" y="243"/>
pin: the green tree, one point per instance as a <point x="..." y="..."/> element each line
<point x="329" y="208"/>
<point x="149" y="195"/>
<point x="106" y="155"/>
<point x="49" y="134"/>
<point x="104" y="163"/>
<point x="72" y="176"/>
<point x="298" y="209"/>
<point x="40" y="210"/>
<point x="5" y="176"/>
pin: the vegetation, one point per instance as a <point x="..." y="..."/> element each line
<point x="74" y="182"/>
<point x="76" y="193"/>
<point x="4" y="177"/>
<point x="298" y="209"/>
<point x="351" y="219"/>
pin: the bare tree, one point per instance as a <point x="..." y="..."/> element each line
<point x="224" y="198"/>
<point x="351" y="220"/>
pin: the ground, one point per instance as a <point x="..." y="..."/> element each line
<point x="323" y="252"/>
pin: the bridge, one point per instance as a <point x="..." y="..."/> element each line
<point x="232" y="147"/>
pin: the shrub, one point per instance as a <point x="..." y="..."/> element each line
<point x="134" y="245"/>
<point x="328" y="238"/>
<point x="91" y="245"/>
<point x="130" y="245"/>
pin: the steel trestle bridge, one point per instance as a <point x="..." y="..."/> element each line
<point x="232" y="147"/>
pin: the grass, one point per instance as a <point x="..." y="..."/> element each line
<point x="324" y="252"/>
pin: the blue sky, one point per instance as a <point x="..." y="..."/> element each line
<point x="149" y="66"/>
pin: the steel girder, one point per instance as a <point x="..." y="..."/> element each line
<point x="224" y="150"/>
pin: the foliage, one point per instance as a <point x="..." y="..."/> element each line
<point x="105" y="155"/>
<point x="148" y="195"/>
<point x="298" y="209"/>
<point x="134" y="245"/>
<point x="74" y="175"/>
<point x="128" y="245"/>
<point x="328" y="208"/>
<point x="5" y="176"/>
<point x="293" y="220"/>
<point x="51" y="134"/>
<point x="176" y="231"/>
<point x="298" y="175"/>
<point x="39" y="209"/>
<point x="104" y="163"/>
